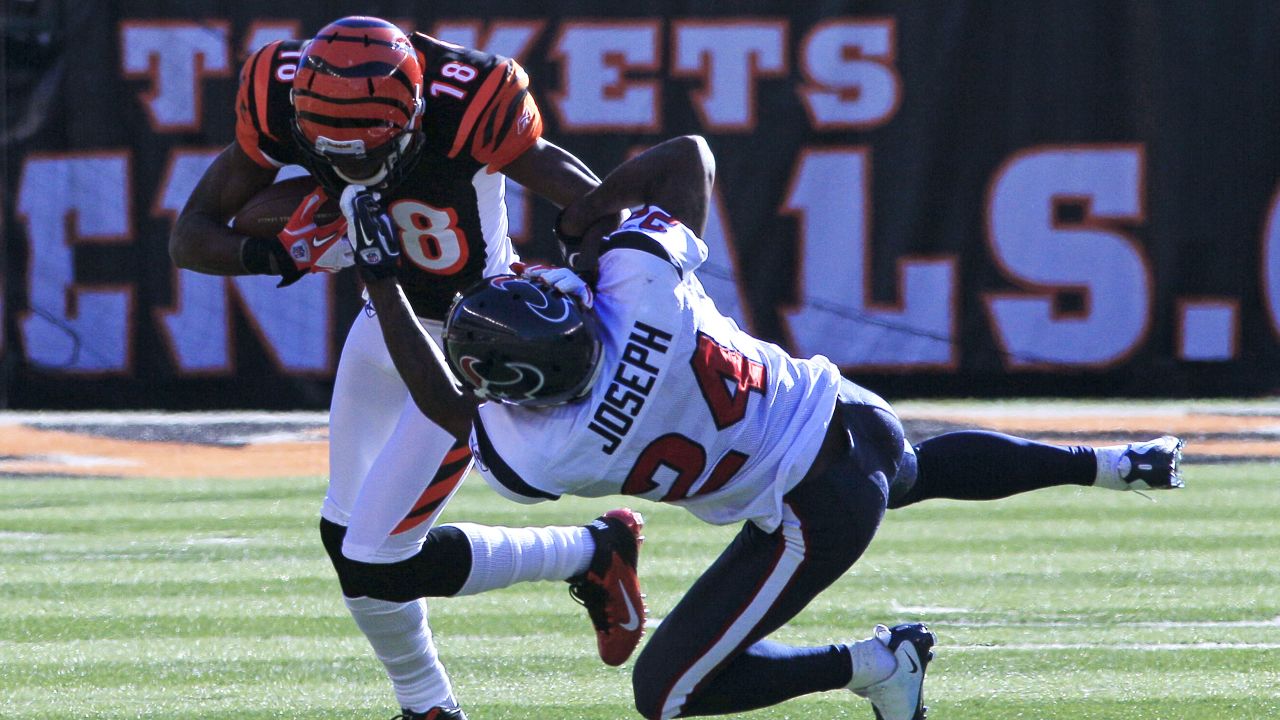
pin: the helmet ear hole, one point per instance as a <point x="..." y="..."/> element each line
<point x="419" y="105"/>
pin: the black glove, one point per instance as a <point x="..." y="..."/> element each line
<point x="372" y="237"/>
<point x="268" y="257"/>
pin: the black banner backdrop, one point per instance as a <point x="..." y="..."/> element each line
<point x="963" y="198"/>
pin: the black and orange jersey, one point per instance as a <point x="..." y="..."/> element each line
<point x="478" y="115"/>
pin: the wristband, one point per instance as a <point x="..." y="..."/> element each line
<point x="561" y="235"/>
<point x="258" y="256"/>
<point x="374" y="273"/>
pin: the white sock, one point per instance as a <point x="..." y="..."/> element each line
<point x="1109" y="467"/>
<point x="502" y="556"/>
<point x="402" y="640"/>
<point x="872" y="662"/>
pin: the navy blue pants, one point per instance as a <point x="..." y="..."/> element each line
<point x="710" y="655"/>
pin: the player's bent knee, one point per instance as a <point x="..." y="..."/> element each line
<point x="878" y="438"/>
<point x="902" y="491"/>
<point x="439" y="569"/>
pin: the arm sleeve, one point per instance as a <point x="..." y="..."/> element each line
<point x="654" y="231"/>
<point x="503" y="478"/>
<point x="258" y="103"/>
<point x="502" y="121"/>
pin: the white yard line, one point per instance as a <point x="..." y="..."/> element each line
<point x="1127" y="647"/>
<point x="1156" y="625"/>
<point x="126" y="418"/>
<point x="956" y="616"/>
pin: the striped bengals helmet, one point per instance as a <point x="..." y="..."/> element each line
<point x="357" y="99"/>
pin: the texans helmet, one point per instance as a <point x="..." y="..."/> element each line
<point x="520" y="342"/>
<point x="357" y="100"/>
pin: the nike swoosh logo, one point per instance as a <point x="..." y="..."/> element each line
<point x="914" y="668"/>
<point x="319" y="242"/>
<point x="633" y="619"/>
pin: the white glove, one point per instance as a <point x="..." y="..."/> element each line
<point x="336" y="257"/>
<point x="369" y="232"/>
<point x="347" y="204"/>
<point x="560" y="278"/>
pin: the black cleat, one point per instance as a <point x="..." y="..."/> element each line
<point x="1152" y="465"/>
<point x="901" y="695"/>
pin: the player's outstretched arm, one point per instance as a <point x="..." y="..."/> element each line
<point x="417" y="358"/>
<point x="559" y="176"/>
<point x="420" y="361"/>
<point x="552" y="172"/>
<point x="201" y="240"/>
<point x="676" y="175"/>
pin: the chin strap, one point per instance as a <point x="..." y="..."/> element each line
<point x="371" y="181"/>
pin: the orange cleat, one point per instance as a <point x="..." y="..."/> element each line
<point x="610" y="588"/>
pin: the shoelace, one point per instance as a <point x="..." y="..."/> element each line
<point x="592" y="597"/>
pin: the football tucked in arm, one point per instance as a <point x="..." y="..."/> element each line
<point x="265" y="214"/>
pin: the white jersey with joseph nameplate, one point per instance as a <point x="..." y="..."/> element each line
<point x="687" y="408"/>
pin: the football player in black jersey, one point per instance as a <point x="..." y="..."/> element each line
<point x="432" y="128"/>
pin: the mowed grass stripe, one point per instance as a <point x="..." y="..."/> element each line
<point x="213" y="599"/>
<point x="240" y="658"/>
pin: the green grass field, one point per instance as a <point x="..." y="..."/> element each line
<point x="160" y="599"/>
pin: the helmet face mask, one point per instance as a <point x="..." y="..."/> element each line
<point x="351" y="164"/>
<point x="357" y="99"/>
<point x="519" y="342"/>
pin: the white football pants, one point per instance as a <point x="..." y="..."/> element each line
<point x="383" y="454"/>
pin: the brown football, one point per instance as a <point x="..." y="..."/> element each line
<point x="265" y="214"/>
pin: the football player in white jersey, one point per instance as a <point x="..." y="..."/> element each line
<point x="643" y="388"/>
